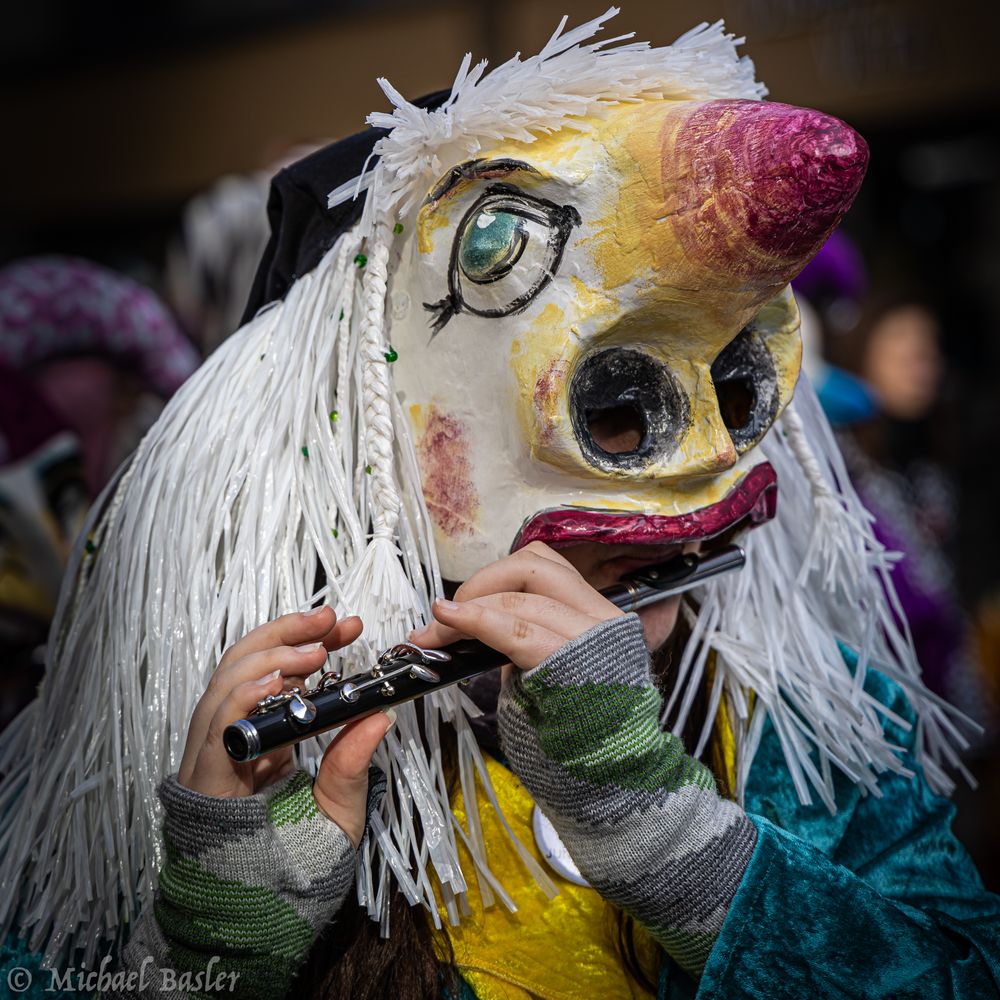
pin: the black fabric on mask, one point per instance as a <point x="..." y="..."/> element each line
<point x="302" y="228"/>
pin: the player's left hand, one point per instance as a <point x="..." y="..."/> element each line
<point x="526" y="606"/>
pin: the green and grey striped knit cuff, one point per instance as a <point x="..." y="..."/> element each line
<point x="247" y="885"/>
<point x="642" y="820"/>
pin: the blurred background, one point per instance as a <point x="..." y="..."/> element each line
<point x="138" y="143"/>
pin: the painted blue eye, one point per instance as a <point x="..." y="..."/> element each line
<point x="505" y="227"/>
<point x="491" y="245"/>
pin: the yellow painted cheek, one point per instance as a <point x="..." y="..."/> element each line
<point x="788" y="364"/>
<point x="778" y="324"/>
<point x="592" y="303"/>
<point x="666" y="498"/>
<point x="550" y="153"/>
<point x="540" y="367"/>
<point x="418" y="419"/>
<point x="779" y="321"/>
<point x="429" y="222"/>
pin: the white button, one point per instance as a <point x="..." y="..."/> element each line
<point x="553" y="849"/>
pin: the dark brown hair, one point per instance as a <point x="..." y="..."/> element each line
<point x="351" y="959"/>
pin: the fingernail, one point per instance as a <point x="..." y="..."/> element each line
<point x="314" y="611"/>
<point x="446" y="604"/>
<point x="308" y="647"/>
<point x="390" y="714"/>
<point x="270" y="677"/>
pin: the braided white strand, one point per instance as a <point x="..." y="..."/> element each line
<point x="376" y="385"/>
<point x="797" y="441"/>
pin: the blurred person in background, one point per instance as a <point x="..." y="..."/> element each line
<point x="87" y="359"/>
<point x="101" y="349"/>
<point x="880" y="416"/>
<point x="212" y="263"/>
<point x="43" y="502"/>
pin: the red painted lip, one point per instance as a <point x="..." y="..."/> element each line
<point x="753" y="499"/>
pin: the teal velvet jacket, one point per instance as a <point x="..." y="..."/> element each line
<point x="878" y="901"/>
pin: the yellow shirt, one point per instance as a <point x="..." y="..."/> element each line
<point x="559" y="949"/>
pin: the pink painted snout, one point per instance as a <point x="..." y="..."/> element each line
<point x="762" y="185"/>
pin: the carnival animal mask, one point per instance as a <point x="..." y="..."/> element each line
<point x="594" y="329"/>
<point x="560" y="311"/>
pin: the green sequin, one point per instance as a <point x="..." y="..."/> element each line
<point x="305" y="451"/>
<point x="491" y="245"/>
<point x="361" y="260"/>
<point x="398" y="228"/>
<point x="391" y="355"/>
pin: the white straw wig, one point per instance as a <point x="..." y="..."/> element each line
<point x="286" y="460"/>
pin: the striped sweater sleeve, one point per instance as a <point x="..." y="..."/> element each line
<point x="642" y="820"/>
<point x="246" y="887"/>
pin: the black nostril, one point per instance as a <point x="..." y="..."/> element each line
<point x="746" y="387"/>
<point x="617" y="429"/>
<point x="626" y="409"/>
<point x="736" y="402"/>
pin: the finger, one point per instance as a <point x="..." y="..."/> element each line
<point x="239" y="703"/>
<point x="211" y="768"/>
<point x="315" y="625"/>
<point x="530" y="572"/>
<point x="341" y="786"/>
<point x="294" y="662"/>
<point x="350" y="754"/>
<point x="523" y="642"/>
<point x="536" y="608"/>
<point x="272" y="767"/>
<point x="547" y="552"/>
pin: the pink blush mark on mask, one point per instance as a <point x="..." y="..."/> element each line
<point x="446" y="470"/>
<point x="549" y="390"/>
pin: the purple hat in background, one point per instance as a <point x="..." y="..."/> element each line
<point x="837" y="272"/>
<point x="55" y="307"/>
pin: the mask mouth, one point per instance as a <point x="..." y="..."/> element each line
<point x="752" y="501"/>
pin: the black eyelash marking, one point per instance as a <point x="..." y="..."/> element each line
<point x="442" y="310"/>
<point x="477" y="170"/>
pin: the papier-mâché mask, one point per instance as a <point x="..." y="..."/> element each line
<point x="595" y="328"/>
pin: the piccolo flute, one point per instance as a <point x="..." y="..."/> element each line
<point x="405" y="671"/>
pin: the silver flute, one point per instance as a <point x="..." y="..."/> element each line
<point x="405" y="671"/>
